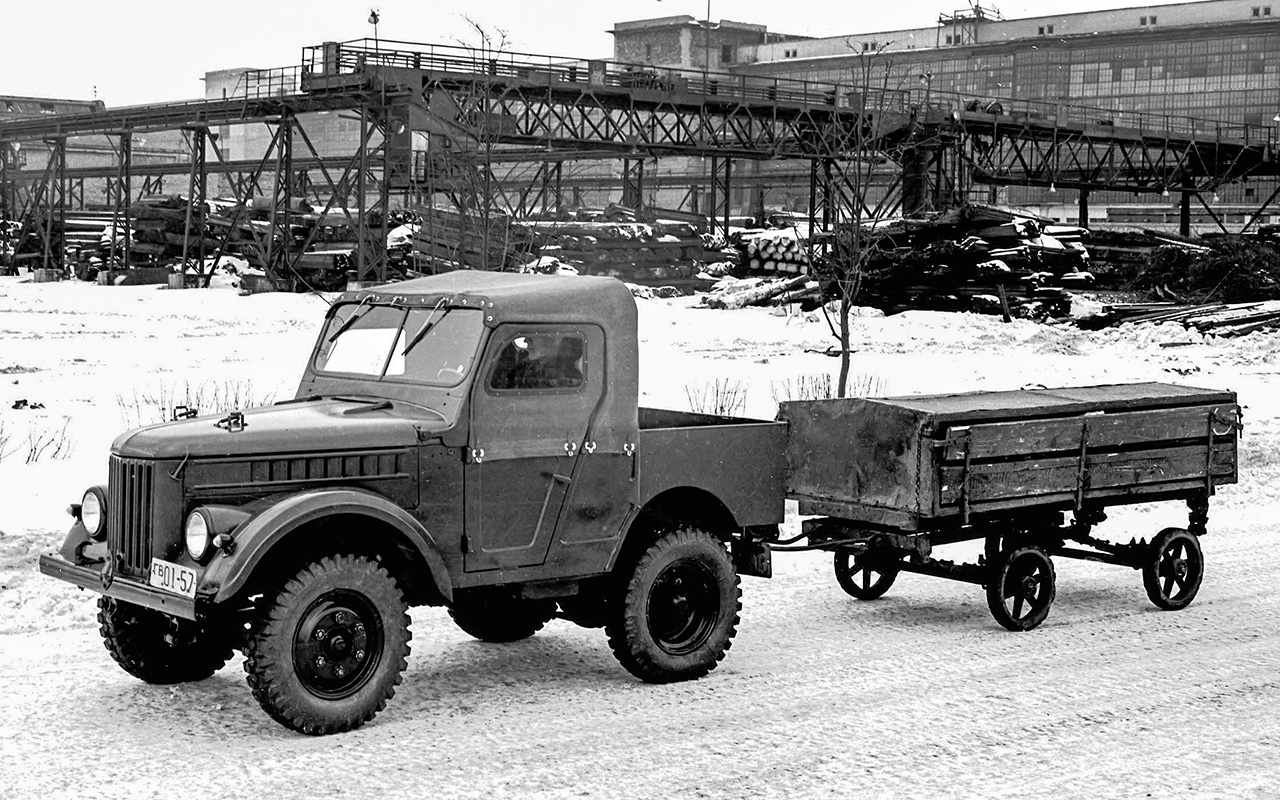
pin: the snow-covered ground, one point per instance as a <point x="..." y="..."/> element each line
<point x="919" y="694"/>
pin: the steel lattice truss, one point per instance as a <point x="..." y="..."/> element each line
<point x="1102" y="160"/>
<point x="624" y="121"/>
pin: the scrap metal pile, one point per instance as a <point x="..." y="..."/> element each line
<point x="1227" y="286"/>
<point x="972" y="258"/>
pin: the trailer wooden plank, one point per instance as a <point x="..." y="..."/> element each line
<point x="1099" y="430"/>
<point x="1036" y="477"/>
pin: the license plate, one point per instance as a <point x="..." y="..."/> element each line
<point x="173" y="578"/>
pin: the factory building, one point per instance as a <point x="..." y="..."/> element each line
<point x="1215" y="60"/>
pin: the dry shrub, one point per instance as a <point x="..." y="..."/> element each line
<point x="822" y="387"/>
<point x="206" y="397"/>
<point x="721" y="397"/>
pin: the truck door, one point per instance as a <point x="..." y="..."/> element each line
<point x="529" y="414"/>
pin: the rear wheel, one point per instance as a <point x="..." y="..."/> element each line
<point x="1021" y="587"/>
<point x="157" y="648"/>
<point x="679" y="609"/>
<point x="864" y="575"/>
<point x="327" y="651"/>
<point x="503" y="619"/>
<point x="1174" y="569"/>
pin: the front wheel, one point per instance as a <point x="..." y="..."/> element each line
<point x="1174" y="569"/>
<point x="157" y="648"/>
<point x="327" y="651"/>
<point x="678" y="611"/>
<point x="1020" y="587"/>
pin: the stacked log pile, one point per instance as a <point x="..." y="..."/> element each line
<point x="733" y="293"/>
<point x="612" y="242"/>
<point x="777" y="251"/>
<point x="967" y="257"/>
<point x="448" y="239"/>
<point x="636" y="252"/>
<point x="159" y="229"/>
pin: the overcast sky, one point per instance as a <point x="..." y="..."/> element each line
<point x="142" y="51"/>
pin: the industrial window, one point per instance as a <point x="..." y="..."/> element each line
<point x="1142" y="21"/>
<point x="648" y="52"/>
<point x="1257" y="11"/>
<point x="1153" y="19"/>
<point x="1041" y="31"/>
<point x="948" y="39"/>
<point x="726" y="54"/>
<point x="1050" y="30"/>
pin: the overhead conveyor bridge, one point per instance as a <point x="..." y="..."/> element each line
<point x="437" y="119"/>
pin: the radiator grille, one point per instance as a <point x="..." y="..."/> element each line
<point x="129" y="517"/>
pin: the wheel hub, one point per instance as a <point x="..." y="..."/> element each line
<point x="684" y="605"/>
<point x="335" y="651"/>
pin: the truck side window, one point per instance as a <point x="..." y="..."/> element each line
<point x="540" y="361"/>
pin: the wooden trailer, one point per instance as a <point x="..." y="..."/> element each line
<point x="1030" y="472"/>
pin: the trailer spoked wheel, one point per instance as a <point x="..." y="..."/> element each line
<point x="863" y="575"/>
<point x="678" y="611"/>
<point x="1174" y="569"/>
<point x="1021" y="587"/>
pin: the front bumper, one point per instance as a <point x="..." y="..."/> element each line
<point x="119" y="587"/>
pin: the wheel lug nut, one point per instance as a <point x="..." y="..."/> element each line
<point x="340" y="617"/>
<point x="339" y="671"/>
<point x="321" y="634"/>
<point x="319" y="661"/>
<point x="359" y="627"/>
<point x="359" y="655"/>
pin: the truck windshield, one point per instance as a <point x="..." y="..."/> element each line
<point x="428" y="346"/>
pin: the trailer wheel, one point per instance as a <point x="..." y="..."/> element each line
<point x="864" y="576"/>
<point x="1020" y="588"/>
<point x="678" y="611"/>
<point x="502" y="620"/>
<point x="327" y="650"/>
<point x="1174" y="569"/>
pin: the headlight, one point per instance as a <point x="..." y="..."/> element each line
<point x="197" y="533"/>
<point x="93" y="512"/>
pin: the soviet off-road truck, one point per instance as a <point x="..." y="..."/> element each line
<point x="473" y="440"/>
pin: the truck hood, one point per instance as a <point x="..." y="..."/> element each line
<point x="301" y="426"/>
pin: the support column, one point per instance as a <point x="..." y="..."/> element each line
<point x="1083" y="218"/>
<point x="633" y="182"/>
<point x="57" y="195"/>
<point x="721" y="195"/>
<point x="813" y="205"/>
<point x="1184" y="214"/>
<point x="197" y="195"/>
<point x="915" y="182"/>
<point x="8" y="164"/>
<point x="277" y="256"/>
<point x="362" y="239"/>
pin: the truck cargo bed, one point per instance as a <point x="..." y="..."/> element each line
<point x="917" y="462"/>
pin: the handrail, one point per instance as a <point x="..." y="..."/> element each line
<point x="564" y="72"/>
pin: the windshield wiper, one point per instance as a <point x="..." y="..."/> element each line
<point x="355" y="316"/>
<point x="431" y="323"/>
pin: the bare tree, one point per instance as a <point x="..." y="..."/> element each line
<point x="862" y="192"/>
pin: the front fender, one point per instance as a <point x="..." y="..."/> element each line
<point x="226" y="575"/>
